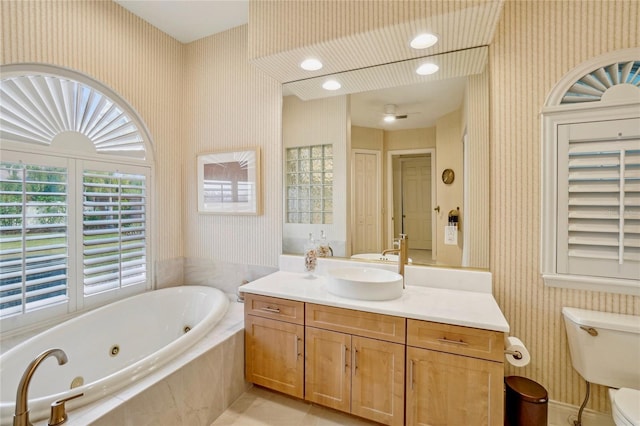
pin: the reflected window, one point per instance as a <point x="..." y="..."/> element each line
<point x="227" y="183"/>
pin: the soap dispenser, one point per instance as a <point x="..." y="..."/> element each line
<point x="324" y="249"/>
<point x="310" y="256"/>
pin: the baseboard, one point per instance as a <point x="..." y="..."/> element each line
<point x="562" y="414"/>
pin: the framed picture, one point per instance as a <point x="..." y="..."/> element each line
<point x="229" y="182"/>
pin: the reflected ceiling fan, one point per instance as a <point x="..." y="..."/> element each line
<point x="392" y="114"/>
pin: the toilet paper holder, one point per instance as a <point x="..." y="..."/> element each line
<point x="516" y="354"/>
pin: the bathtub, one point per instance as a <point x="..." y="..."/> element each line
<point x="110" y="347"/>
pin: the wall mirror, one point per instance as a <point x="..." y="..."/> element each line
<point x="393" y="133"/>
<point x="229" y="182"/>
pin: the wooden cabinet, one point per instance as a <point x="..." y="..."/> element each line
<point x="328" y="368"/>
<point x="274" y="344"/>
<point x="377" y="387"/>
<point x="384" y="368"/>
<point x="352" y="373"/>
<point x="454" y="375"/>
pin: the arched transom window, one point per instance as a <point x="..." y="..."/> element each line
<point x="591" y="177"/>
<point x="75" y="194"/>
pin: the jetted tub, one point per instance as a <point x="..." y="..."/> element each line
<point x="109" y="347"/>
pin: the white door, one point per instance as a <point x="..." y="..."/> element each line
<point x="416" y="201"/>
<point x="366" y="202"/>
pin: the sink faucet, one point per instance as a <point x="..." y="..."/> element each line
<point x="403" y="254"/>
<point x="21" y="417"/>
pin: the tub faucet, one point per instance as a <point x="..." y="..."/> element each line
<point x="403" y="254"/>
<point x="21" y="417"/>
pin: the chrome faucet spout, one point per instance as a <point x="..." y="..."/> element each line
<point x="21" y="417"/>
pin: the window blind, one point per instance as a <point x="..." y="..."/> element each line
<point x="114" y="230"/>
<point x="599" y="225"/>
<point x="33" y="237"/>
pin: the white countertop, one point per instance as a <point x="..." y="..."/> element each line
<point x="457" y="307"/>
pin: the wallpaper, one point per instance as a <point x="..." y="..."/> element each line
<point x="535" y="45"/>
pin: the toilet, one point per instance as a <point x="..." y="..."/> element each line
<point x="605" y="349"/>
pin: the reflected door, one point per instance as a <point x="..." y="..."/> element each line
<point x="366" y="202"/>
<point x="416" y="201"/>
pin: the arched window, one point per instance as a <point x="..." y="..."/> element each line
<point x="75" y="194"/>
<point x="591" y="177"/>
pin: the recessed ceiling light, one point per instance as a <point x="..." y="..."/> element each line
<point x="311" y="64"/>
<point x="423" y="41"/>
<point x="427" y="69"/>
<point x="331" y="85"/>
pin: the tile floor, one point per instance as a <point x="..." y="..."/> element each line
<point x="260" y="407"/>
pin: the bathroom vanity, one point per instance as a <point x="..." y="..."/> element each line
<point x="432" y="356"/>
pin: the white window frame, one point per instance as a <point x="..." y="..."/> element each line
<point x="76" y="157"/>
<point x="553" y="115"/>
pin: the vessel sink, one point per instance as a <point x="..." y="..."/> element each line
<point x="364" y="283"/>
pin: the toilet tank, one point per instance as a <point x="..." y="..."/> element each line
<point x="612" y="358"/>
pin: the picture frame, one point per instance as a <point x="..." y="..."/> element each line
<point x="229" y="182"/>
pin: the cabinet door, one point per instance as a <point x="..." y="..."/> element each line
<point x="273" y="355"/>
<point x="445" y="389"/>
<point x="377" y="387"/>
<point x="328" y="368"/>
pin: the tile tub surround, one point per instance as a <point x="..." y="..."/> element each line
<point x="222" y="275"/>
<point x="169" y="272"/>
<point x="193" y="389"/>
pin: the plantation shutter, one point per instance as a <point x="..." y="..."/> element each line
<point x="33" y="236"/>
<point x="114" y="230"/>
<point x="599" y="199"/>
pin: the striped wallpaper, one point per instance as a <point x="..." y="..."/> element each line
<point x="479" y="203"/>
<point x="535" y="45"/>
<point x="351" y="34"/>
<point x="229" y="104"/>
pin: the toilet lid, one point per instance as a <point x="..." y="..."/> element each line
<point x="628" y="403"/>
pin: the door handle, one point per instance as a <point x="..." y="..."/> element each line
<point x="297" y="347"/>
<point x="344" y="357"/>
<point x="411" y="373"/>
<point x="355" y="361"/>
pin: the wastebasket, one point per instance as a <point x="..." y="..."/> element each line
<point x="526" y="402"/>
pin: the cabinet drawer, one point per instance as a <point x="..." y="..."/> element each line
<point x="366" y="324"/>
<point x="274" y="308"/>
<point x="474" y="342"/>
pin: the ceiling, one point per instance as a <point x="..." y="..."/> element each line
<point x="423" y="103"/>
<point x="190" y="20"/>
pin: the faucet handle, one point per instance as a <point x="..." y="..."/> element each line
<point x="58" y="413"/>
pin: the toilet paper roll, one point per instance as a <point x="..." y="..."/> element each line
<point x="515" y="344"/>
